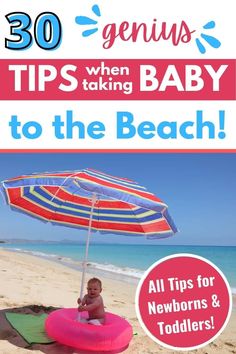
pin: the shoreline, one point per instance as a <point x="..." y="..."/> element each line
<point x="91" y="266"/>
<point x="132" y="276"/>
<point x="28" y="281"/>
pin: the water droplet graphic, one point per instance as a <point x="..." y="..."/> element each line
<point x="96" y="10"/>
<point x="83" y="20"/>
<point x="89" y="32"/>
<point x="88" y="21"/>
<point x="211" y="40"/>
<point x="200" y="46"/>
<point x="209" y="25"/>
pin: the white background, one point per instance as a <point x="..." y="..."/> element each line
<point x="196" y="14"/>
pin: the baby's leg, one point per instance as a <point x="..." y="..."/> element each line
<point x="95" y="322"/>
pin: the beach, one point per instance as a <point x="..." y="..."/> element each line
<point x="30" y="284"/>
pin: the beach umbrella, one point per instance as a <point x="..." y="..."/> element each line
<point x="92" y="200"/>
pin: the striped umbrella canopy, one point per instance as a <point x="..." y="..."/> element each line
<point x="91" y="200"/>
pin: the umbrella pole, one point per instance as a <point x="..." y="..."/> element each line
<point x="94" y="199"/>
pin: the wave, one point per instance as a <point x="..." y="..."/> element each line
<point x="131" y="272"/>
<point x="106" y="267"/>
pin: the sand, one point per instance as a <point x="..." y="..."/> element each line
<point x="30" y="284"/>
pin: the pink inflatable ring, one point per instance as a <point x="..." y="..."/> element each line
<point x="114" y="336"/>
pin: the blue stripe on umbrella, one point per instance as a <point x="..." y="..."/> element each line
<point x="116" y="215"/>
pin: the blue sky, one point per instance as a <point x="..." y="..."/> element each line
<point x="198" y="188"/>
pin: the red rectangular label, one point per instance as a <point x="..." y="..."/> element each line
<point x="117" y="79"/>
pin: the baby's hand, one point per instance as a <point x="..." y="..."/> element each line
<point x="81" y="308"/>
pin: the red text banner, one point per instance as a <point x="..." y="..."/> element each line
<point x="117" y="79"/>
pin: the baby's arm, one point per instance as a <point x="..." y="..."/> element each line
<point x="93" y="306"/>
<point x="83" y="302"/>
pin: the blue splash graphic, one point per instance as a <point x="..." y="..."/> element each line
<point x="212" y="41"/>
<point x="87" y="21"/>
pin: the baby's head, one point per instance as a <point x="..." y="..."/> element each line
<point x="94" y="287"/>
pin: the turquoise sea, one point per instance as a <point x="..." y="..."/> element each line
<point x="127" y="262"/>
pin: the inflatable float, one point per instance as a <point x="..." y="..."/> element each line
<point x="114" y="336"/>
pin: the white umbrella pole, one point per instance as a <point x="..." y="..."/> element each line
<point x="94" y="199"/>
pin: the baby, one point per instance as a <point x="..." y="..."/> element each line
<point x="93" y="303"/>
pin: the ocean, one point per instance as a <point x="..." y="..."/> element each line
<point x="126" y="262"/>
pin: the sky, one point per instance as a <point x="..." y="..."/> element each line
<point x="199" y="190"/>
